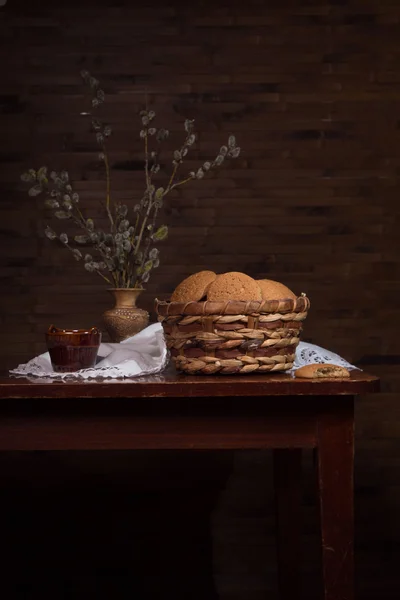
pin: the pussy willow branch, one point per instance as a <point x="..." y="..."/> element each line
<point x="97" y="270"/>
<point x="148" y="183"/>
<point x="146" y="162"/>
<point x="81" y="222"/>
<point x="180" y="183"/>
<point x="148" y="241"/>
<point x="108" y="186"/>
<point x="177" y="165"/>
<point x="145" y="218"/>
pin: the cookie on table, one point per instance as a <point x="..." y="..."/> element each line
<point x="234" y="286"/>
<point x="274" y="290"/>
<point x="321" y="370"/>
<point x="194" y="287"/>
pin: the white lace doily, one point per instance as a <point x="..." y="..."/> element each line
<point x="143" y="354"/>
<point x="146" y="354"/>
<point x="307" y="354"/>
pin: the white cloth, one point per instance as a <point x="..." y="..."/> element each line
<point x="143" y="354"/>
<point x="146" y="354"/>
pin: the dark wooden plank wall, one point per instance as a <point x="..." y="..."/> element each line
<point x="312" y="90"/>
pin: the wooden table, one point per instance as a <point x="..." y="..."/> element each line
<point x="171" y="411"/>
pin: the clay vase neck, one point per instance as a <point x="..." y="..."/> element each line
<point x="125" y="297"/>
<point x="125" y="319"/>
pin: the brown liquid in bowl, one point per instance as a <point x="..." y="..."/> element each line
<point x="72" y="350"/>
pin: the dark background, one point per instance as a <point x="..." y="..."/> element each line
<point x="311" y="89"/>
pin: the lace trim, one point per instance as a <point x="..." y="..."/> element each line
<point x="307" y="354"/>
<point x="41" y="367"/>
<point x="33" y="368"/>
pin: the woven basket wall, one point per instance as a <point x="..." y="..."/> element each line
<point x="233" y="336"/>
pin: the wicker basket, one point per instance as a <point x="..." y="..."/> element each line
<point x="233" y="336"/>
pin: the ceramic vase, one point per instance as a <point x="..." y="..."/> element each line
<point x="125" y="319"/>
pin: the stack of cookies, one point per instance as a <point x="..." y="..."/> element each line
<point x="207" y="285"/>
<point x="231" y="323"/>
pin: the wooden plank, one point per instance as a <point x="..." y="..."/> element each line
<point x="173" y="385"/>
<point x="129" y="431"/>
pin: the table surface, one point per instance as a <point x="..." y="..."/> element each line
<point x="175" y="385"/>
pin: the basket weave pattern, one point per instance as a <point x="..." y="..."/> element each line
<point x="233" y="336"/>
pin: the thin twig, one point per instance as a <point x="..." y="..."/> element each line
<point x="108" y="183"/>
<point x="103" y="276"/>
<point x="146" y="162"/>
<point x="180" y="183"/>
<point x="149" y="240"/>
<point x="142" y="227"/>
<point x="176" y="166"/>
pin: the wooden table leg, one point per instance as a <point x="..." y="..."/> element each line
<point x="287" y="481"/>
<point x="335" y="468"/>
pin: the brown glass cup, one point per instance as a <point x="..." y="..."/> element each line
<point x="72" y="349"/>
